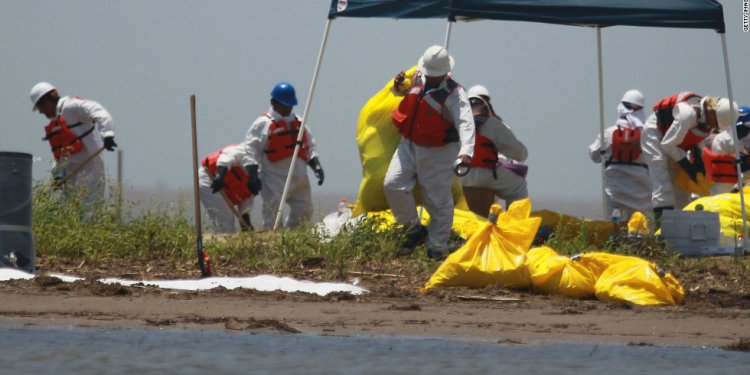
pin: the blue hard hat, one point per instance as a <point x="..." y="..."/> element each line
<point x="283" y="92"/>
<point x="744" y="118"/>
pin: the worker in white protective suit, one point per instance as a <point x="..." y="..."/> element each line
<point x="496" y="169"/>
<point x="437" y="128"/>
<point x="269" y="147"/>
<point x="627" y="183"/>
<point x="223" y="189"/>
<point x="719" y="155"/>
<point x="680" y="123"/>
<point x="77" y="132"/>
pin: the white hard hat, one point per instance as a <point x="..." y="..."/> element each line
<point x="39" y="90"/>
<point x="726" y="116"/>
<point x="478" y="91"/>
<point x="435" y="62"/>
<point x="633" y="97"/>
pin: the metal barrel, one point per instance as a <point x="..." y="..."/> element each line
<point x="16" y="238"/>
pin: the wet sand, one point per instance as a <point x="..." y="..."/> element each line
<point x="708" y="318"/>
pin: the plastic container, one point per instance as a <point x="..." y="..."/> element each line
<point x="16" y="238"/>
<point x="693" y="232"/>
<point x="343" y="207"/>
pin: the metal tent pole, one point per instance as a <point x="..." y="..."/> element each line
<point x="448" y="34"/>
<point x="601" y="112"/>
<point x="740" y="249"/>
<point x="304" y="122"/>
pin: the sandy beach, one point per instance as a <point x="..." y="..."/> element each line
<point x="711" y="316"/>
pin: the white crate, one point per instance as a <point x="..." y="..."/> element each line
<point x="691" y="232"/>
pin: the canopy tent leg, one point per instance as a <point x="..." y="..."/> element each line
<point x="301" y="133"/>
<point x="744" y="245"/>
<point x="448" y="34"/>
<point x="601" y="112"/>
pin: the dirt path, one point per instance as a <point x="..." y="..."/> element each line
<point x="491" y="314"/>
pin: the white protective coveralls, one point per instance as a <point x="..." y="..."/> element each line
<point x="91" y="115"/>
<point x="508" y="185"/>
<point x="627" y="186"/>
<point x="220" y="215"/>
<point x="273" y="174"/>
<point x="432" y="168"/>
<point x="662" y="154"/>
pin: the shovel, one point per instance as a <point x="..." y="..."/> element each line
<point x="75" y="171"/>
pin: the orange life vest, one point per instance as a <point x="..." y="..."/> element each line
<point x="719" y="167"/>
<point x="282" y="138"/>
<point x="422" y="124"/>
<point x="663" y="109"/>
<point x="485" y="151"/>
<point x="693" y="137"/>
<point x="62" y="140"/>
<point x="235" y="181"/>
<point x="626" y="146"/>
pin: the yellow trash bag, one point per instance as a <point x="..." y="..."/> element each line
<point x="377" y="140"/>
<point x="729" y="208"/>
<point x="597" y="232"/>
<point x="496" y="254"/>
<point x="465" y="222"/>
<point x="630" y="279"/>
<point x="557" y="274"/>
<point x="683" y="181"/>
<point x="638" y="224"/>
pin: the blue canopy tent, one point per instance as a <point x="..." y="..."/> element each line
<point x="695" y="14"/>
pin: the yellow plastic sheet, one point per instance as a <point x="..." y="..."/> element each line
<point x="630" y="279"/>
<point x="557" y="274"/>
<point x="729" y="208"/>
<point x="638" y="224"/>
<point x="597" y="232"/>
<point x="377" y="140"/>
<point x="465" y="222"/>
<point x="701" y="187"/>
<point x="496" y="254"/>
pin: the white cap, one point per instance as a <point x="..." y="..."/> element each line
<point x="477" y="91"/>
<point x="726" y="116"/>
<point x="633" y="97"/>
<point x="39" y="90"/>
<point x="435" y="62"/>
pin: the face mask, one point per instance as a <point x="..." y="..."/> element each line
<point x="480" y="119"/>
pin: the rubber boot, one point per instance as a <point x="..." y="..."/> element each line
<point x="414" y="236"/>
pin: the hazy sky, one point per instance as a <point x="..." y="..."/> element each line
<point x="142" y="59"/>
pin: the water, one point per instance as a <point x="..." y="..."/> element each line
<point x="66" y="350"/>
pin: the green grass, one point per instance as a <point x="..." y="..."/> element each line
<point x="162" y="233"/>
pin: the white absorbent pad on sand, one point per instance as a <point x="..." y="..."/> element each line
<point x="264" y="283"/>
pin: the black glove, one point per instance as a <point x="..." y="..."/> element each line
<point x="744" y="163"/>
<point x="245" y="224"/>
<point x="314" y="163"/>
<point x="109" y="143"/>
<point x="698" y="160"/>
<point x="253" y="181"/>
<point x="218" y="181"/>
<point x="742" y="131"/>
<point x="689" y="168"/>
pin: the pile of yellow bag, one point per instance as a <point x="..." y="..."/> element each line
<point x="728" y="207"/>
<point x="499" y="253"/>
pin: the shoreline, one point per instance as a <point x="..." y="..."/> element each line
<point x="490" y="315"/>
